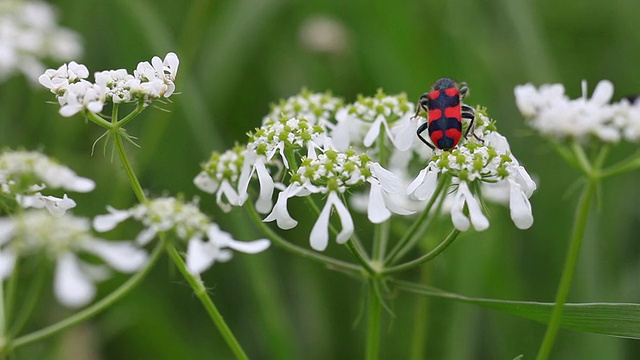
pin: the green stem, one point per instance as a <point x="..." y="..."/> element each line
<point x="582" y="158"/>
<point x="132" y="114"/>
<point x="3" y="319"/>
<point x="359" y="255"/>
<point x="305" y="253"/>
<point x="419" y="225"/>
<point x="426" y="257"/>
<point x="201" y="293"/>
<point x="373" y="325"/>
<point x="135" y="184"/>
<point x="380" y="240"/>
<point x="32" y="297"/>
<point x="99" y="121"/>
<point x="579" y="225"/>
<point x="94" y="309"/>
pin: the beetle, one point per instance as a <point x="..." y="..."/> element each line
<point x="444" y="105"/>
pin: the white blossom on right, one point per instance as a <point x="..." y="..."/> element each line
<point x="483" y="167"/>
<point x="552" y="113"/>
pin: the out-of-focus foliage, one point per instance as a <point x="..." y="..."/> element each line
<point x="239" y="56"/>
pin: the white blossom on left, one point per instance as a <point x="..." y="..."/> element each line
<point x="206" y="242"/>
<point x="62" y="239"/>
<point x="25" y="174"/>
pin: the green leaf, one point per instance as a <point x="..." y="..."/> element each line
<point x="613" y="319"/>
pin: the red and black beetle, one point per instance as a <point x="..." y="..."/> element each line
<point x="446" y="111"/>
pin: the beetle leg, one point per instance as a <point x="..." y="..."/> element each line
<point x="421" y="129"/>
<point x="423" y="104"/>
<point x="464" y="90"/>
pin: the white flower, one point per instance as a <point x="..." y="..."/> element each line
<point x="29" y="33"/>
<point x="553" y="114"/>
<point x="315" y="108"/>
<point x="81" y="96"/>
<point x="24" y="174"/>
<point x="62" y="239"/>
<point x="489" y="168"/>
<point x="201" y="255"/>
<point x="160" y="73"/>
<point x="221" y="175"/>
<point x="55" y="206"/>
<point x="319" y="238"/>
<point x="360" y="123"/>
<point x="187" y="223"/>
<point x="333" y="173"/>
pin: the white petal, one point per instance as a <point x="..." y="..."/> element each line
<point x="319" y="237"/>
<point x="425" y="190"/>
<point x="405" y="133"/>
<point x="7" y="227"/>
<point x="458" y="218"/>
<point x="249" y="247"/>
<point x="7" y="260"/>
<point x="245" y="176"/>
<point x="520" y="207"/>
<point x="279" y="213"/>
<point x="200" y="255"/>
<point x="205" y="183"/>
<point x="373" y="132"/>
<point x="56" y="206"/>
<point x="102" y="223"/>
<point x="264" y="202"/>
<point x="80" y="184"/>
<point x="230" y="193"/>
<point x="145" y="236"/>
<point x="377" y="212"/>
<point x="417" y="181"/>
<point x="72" y="287"/>
<point x="390" y="182"/>
<point x="602" y="93"/>
<point x="340" y="136"/>
<point x="123" y="256"/>
<point x="478" y="220"/>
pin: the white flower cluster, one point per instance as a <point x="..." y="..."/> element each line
<point x="24" y="174"/>
<point x="359" y="124"/>
<point x="187" y="223"/>
<point x="150" y="81"/>
<point x="332" y="173"/>
<point x="490" y="169"/>
<point x="328" y="160"/>
<point x="62" y="239"/>
<point x="29" y="33"/>
<point x="553" y="114"/>
<point x="316" y="108"/>
<point x="220" y="175"/>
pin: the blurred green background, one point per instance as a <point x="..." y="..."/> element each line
<point x="239" y="56"/>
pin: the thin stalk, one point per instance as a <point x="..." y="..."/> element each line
<point x="305" y="253"/>
<point x="133" y="180"/>
<point x="426" y="257"/>
<point x="360" y="256"/>
<point x="380" y="240"/>
<point x="32" y="297"/>
<point x="373" y="326"/>
<point x="582" y="158"/>
<point x="99" y="121"/>
<point x="417" y="224"/>
<point x="125" y="120"/>
<point x="579" y="225"/>
<point x="202" y="295"/>
<point x="3" y="319"/>
<point x="94" y="309"/>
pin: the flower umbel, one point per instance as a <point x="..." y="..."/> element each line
<point x="62" y="239"/>
<point x="24" y="174"/>
<point x="479" y="168"/>
<point x="553" y="114"/>
<point x="186" y="223"/>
